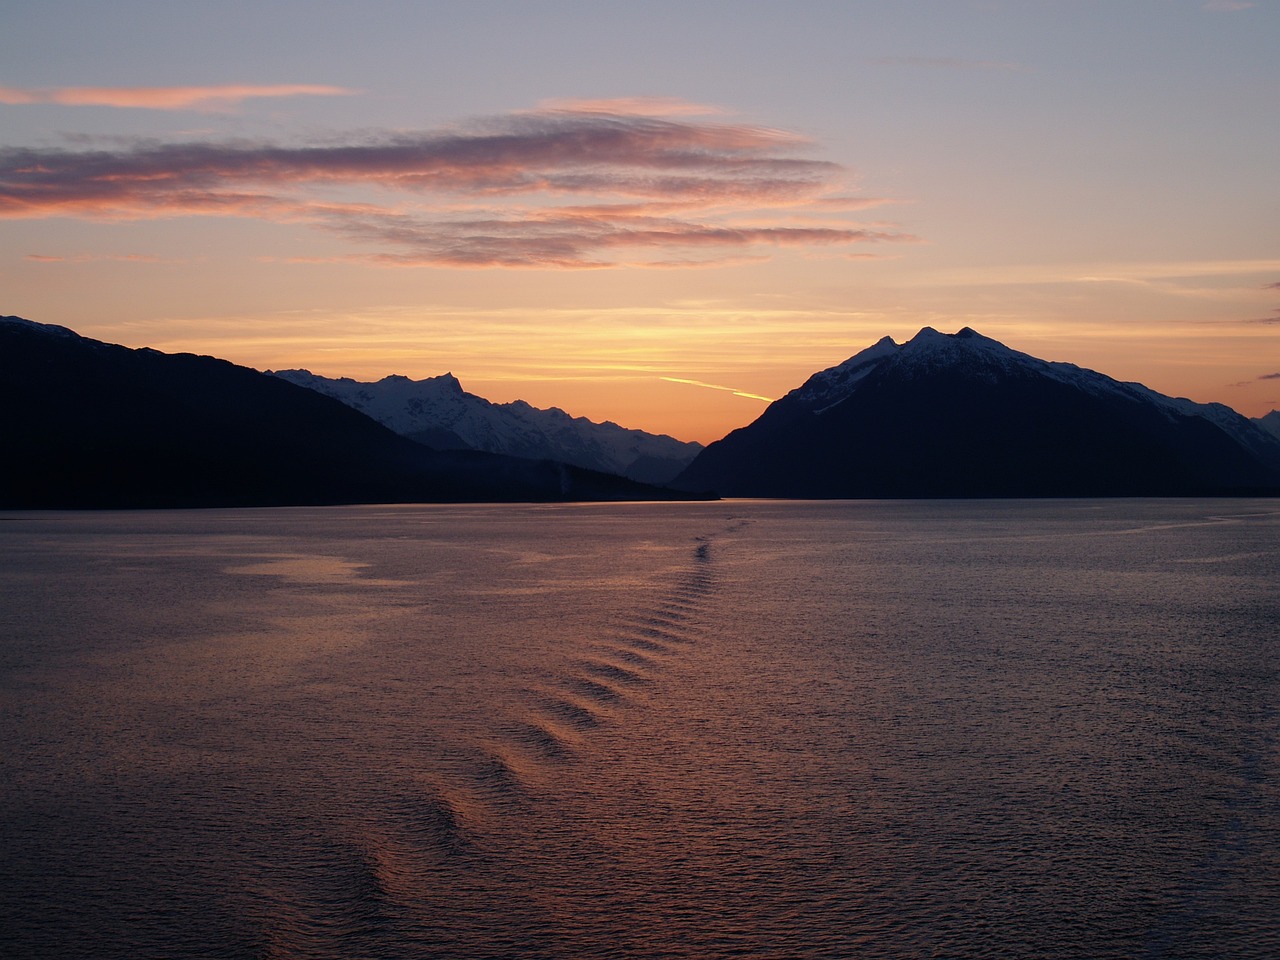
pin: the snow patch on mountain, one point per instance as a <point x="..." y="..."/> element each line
<point x="829" y="387"/>
<point x="438" y="412"/>
<point x="987" y="360"/>
<point x="51" y="329"/>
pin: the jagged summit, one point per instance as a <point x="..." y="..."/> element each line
<point x="446" y="382"/>
<point x="930" y="349"/>
<point x="961" y="414"/>
<point x="438" y="412"/>
<point x="87" y="424"/>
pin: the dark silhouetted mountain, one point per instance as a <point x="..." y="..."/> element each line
<point x="86" y="424"/>
<point x="965" y="416"/>
<point x="438" y="412"/>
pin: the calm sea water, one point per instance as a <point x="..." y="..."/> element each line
<point x="749" y="729"/>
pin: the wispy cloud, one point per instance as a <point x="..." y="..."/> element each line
<point x="636" y="106"/>
<point x="559" y="186"/>
<point x="948" y="63"/>
<point x="91" y="257"/>
<point x="1120" y="272"/>
<point x="1270" y="376"/>
<point x="217" y="98"/>
<point x="716" y="386"/>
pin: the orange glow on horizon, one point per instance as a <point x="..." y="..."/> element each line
<point x="665" y="263"/>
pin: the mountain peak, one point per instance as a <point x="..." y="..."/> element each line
<point x="49" y="329"/>
<point x="96" y="425"/>
<point x="946" y="415"/>
<point x="926" y="334"/>
<point x="1270" y="422"/>
<point x="445" y="384"/>
<point x="965" y="336"/>
<point x="966" y="352"/>
<point x="436" y="411"/>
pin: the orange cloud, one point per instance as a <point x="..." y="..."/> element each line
<point x="489" y="194"/>
<point x="164" y="98"/>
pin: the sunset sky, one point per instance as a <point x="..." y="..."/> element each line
<point x="663" y="214"/>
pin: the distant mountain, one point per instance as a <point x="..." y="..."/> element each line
<point x="438" y="412"/>
<point x="965" y="416"/>
<point x="1270" y="422"/>
<point x="86" y="424"/>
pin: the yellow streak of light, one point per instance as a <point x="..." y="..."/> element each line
<point x="716" y="386"/>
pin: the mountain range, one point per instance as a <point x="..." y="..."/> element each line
<point x="962" y="415"/>
<point x="86" y="424"/>
<point x="438" y="412"/>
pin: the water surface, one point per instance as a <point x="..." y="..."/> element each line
<point x="970" y="729"/>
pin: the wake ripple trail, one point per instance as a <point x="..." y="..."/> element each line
<point x="462" y="812"/>
<point x="597" y="690"/>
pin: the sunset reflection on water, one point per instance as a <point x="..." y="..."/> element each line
<point x="766" y="729"/>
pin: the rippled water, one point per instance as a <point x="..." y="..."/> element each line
<point x="987" y="729"/>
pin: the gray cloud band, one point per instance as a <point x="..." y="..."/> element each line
<point x="557" y="188"/>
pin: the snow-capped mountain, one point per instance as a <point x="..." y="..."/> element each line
<point x="436" y="411"/>
<point x="87" y="424"/>
<point x="1270" y="422"/>
<point x="964" y="415"/>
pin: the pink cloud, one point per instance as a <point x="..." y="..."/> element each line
<point x="493" y="192"/>
<point x="163" y="98"/>
<point x="565" y="241"/>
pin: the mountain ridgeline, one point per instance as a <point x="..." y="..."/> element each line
<point x="436" y="411"/>
<point x="1270" y="423"/>
<point x="86" y="424"/>
<point x="962" y="415"/>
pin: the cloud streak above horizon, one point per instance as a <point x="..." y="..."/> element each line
<point x="575" y="186"/>
<point x="215" y="98"/>
<point x="715" y="386"/>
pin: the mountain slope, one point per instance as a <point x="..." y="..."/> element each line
<point x="964" y="416"/>
<point x="438" y="412"/>
<point x="1270" y="422"/>
<point x="89" y="424"/>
